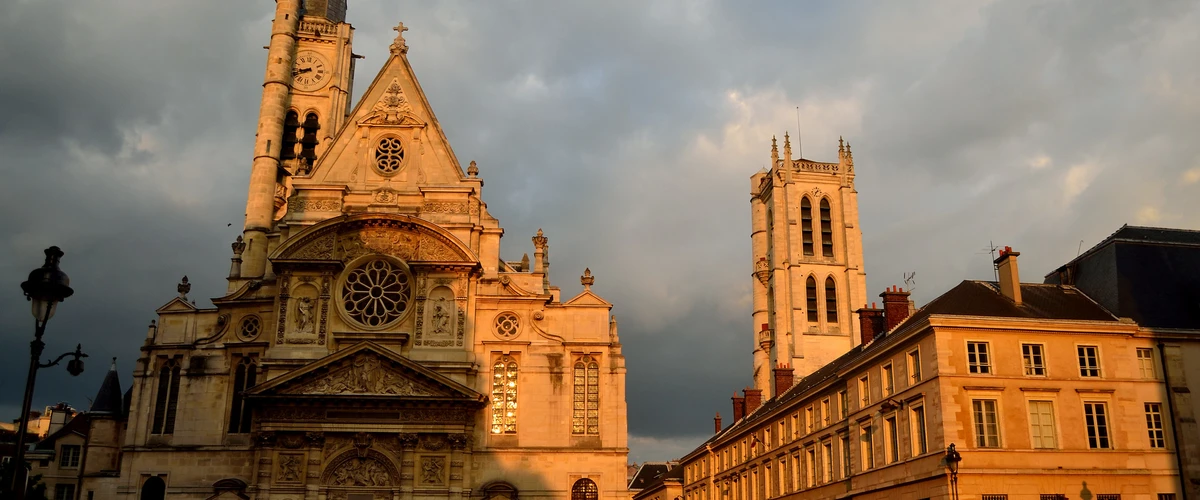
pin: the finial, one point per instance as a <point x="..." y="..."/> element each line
<point x="399" y="46"/>
<point x="239" y="246"/>
<point x="113" y="368"/>
<point x="184" y="287"/>
<point x="787" y="142"/>
<point x="841" y="144"/>
<point x="539" y="241"/>
<point x="525" y="262"/>
<point x="587" y="279"/>
<point x="472" y="169"/>
<point x="773" y="146"/>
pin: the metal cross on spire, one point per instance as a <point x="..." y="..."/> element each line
<point x="399" y="45"/>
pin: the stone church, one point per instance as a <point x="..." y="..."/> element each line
<point x="372" y="343"/>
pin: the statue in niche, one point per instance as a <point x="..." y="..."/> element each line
<point x="441" y="316"/>
<point x="304" y="315"/>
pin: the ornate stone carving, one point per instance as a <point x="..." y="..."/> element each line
<point x="458" y="442"/>
<point x="432" y="249"/>
<point x="366" y="374"/>
<point x="362" y="443"/>
<point x="265" y="439"/>
<point x="320" y="248"/>
<point x="762" y="271"/>
<point x="445" y="207"/>
<point x="297" y="204"/>
<point x="399" y="46"/>
<point x="291" y="441"/>
<point x="360" y="472"/>
<point x="291" y="468"/>
<point x="392" y="108"/>
<point x="433" y="471"/>
<point x="183" y="288"/>
<point x="315" y="439"/>
<point x="407" y="441"/>
<point x="386" y="195"/>
<point x="433" y="442"/>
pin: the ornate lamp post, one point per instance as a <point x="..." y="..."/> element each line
<point x="952" y="460"/>
<point x="45" y="288"/>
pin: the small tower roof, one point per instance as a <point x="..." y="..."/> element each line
<point x="109" y="399"/>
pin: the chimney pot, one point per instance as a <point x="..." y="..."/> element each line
<point x="717" y="423"/>
<point x="753" y="399"/>
<point x="895" y="307"/>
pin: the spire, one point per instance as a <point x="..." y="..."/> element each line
<point x="108" y="399"/>
<point x="774" y="153"/>
<point x="787" y="148"/>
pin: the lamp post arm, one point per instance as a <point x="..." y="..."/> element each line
<point x="78" y="354"/>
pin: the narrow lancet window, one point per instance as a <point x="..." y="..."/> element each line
<point x="308" y="141"/>
<point x="810" y="292"/>
<point x="585" y="419"/>
<point x="167" y="399"/>
<point x="291" y="123"/>
<point x="806" y="225"/>
<point x="831" y="309"/>
<point x="826" y="229"/>
<point x="504" y="396"/>
<point x="244" y="377"/>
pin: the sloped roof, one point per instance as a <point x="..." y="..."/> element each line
<point x="648" y="473"/>
<point x="109" y="399"/>
<point x="77" y="425"/>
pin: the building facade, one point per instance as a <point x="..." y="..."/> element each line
<point x="808" y="262"/>
<point x="1044" y="393"/>
<point x="372" y="344"/>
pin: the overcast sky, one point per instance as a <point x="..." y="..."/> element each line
<point x="626" y="130"/>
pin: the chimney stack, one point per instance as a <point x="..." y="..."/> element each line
<point x="1010" y="279"/>
<point x="753" y="399"/>
<point x="895" y="306"/>
<point x="739" y="407"/>
<point x="870" y="320"/>
<point x="784" y="378"/>
<point x="717" y="423"/>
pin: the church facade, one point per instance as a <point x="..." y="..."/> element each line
<point x="372" y="343"/>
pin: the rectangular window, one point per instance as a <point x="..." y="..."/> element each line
<point x="1108" y="496"/>
<point x="1145" y="358"/>
<point x="987" y="427"/>
<point x="825" y="413"/>
<point x="811" y="463"/>
<point x="978" y="359"/>
<point x="867" y="443"/>
<point x="920" y="441"/>
<point x="64" y="492"/>
<point x="808" y="419"/>
<point x="914" y="366"/>
<point x="994" y="496"/>
<point x="1034" y="360"/>
<point x="1154" y="425"/>
<point x="844" y="444"/>
<point x="69" y="456"/>
<point x="796" y="425"/>
<point x="1041" y="424"/>
<point x="767" y="437"/>
<point x="893" y="439"/>
<point x="889" y="383"/>
<point x="844" y="403"/>
<point x="1052" y="496"/>
<point x="1166" y="496"/>
<point x="1089" y="360"/>
<point x="864" y="391"/>
<point x="1095" y="415"/>
<point x="827" y="461"/>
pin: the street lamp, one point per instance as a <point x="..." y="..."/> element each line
<point x="45" y="288"/>
<point x="952" y="460"/>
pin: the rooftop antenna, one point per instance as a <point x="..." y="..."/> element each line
<point x="799" y="142"/>
<point x="910" y="281"/>
<point x="991" y="249"/>
<point x="1079" y="249"/>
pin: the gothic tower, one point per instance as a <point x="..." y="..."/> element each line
<point x="808" y="262"/>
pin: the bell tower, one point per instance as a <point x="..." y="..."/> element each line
<point x="306" y="98"/>
<point x="808" y="262"/>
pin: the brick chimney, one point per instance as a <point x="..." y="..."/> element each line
<point x="753" y="399"/>
<point x="739" y="407"/>
<point x="784" y="378"/>
<point x="870" y="322"/>
<point x="717" y="423"/>
<point x="895" y="306"/>
<point x="1010" y="279"/>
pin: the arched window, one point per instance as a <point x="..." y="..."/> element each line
<point x="291" y="123"/>
<point x="806" y="225"/>
<point x="308" y="141"/>
<point x="504" y="396"/>
<point x="154" y="489"/>
<point x="585" y="418"/>
<point x="167" y="398"/>
<point x="585" y="489"/>
<point x="826" y="229"/>
<point x="244" y="377"/>
<point x="810" y="293"/>
<point x="831" y="310"/>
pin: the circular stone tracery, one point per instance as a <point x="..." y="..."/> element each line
<point x="376" y="293"/>
<point x="507" y="324"/>
<point x="389" y="155"/>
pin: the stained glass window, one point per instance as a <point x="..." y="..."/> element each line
<point x="585" y="419"/>
<point x="504" y="396"/>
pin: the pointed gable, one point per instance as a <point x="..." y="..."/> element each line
<point x="366" y="370"/>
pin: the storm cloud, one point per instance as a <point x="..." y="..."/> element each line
<point x="626" y="130"/>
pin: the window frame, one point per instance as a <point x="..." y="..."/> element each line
<point x="1156" y="431"/>
<point x="978" y="367"/>
<point x="919" y="428"/>
<point x="1146" y="362"/>
<point x="1027" y="366"/>
<point x="63" y="455"/>
<point x="1041" y="426"/>
<point x="891" y="437"/>
<point x="1099" y="438"/>
<point x="983" y="439"/>
<point x="887" y="378"/>
<point x="1084" y="370"/>
<point x="866" y="447"/>
<point x="864" y="391"/>
<point x="913" y="359"/>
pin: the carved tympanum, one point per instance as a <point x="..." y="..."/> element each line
<point x="366" y="374"/>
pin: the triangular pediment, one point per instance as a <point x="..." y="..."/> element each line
<point x="366" y="370"/>
<point x="587" y="298"/>
<point x="393" y="108"/>
<point x="177" y="305"/>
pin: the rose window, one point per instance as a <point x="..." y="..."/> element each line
<point x="376" y="293"/>
<point x="389" y="155"/>
<point x="506" y="324"/>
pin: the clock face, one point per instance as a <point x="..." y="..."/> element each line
<point x="310" y="71"/>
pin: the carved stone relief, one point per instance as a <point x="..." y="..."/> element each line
<point x="291" y="468"/>
<point x="305" y="306"/>
<point x="366" y="374"/>
<point x="433" y="471"/>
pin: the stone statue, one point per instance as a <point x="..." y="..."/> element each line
<point x="441" y="316"/>
<point x="304" y="315"/>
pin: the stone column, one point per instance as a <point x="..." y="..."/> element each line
<point x="458" y="481"/>
<point x="312" y="480"/>
<point x="265" y="444"/>
<point x="408" y="457"/>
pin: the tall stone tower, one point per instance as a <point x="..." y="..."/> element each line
<point x="808" y="262"/>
